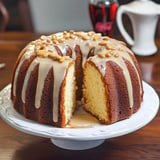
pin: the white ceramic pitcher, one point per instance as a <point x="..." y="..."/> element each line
<point x="144" y="16"/>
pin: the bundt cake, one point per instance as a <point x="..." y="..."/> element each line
<point x="53" y="72"/>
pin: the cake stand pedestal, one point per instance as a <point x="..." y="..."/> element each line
<point x="76" y="145"/>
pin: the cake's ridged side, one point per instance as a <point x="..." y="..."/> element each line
<point x="15" y="68"/>
<point x="58" y="50"/>
<point x="69" y="52"/>
<point x="138" y="75"/>
<point x="63" y="119"/>
<point x="18" y="104"/>
<point x="45" y="111"/>
<point x="135" y="86"/>
<point x="79" y="71"/>
<point x="119" y="105"/>
<point x="91" y="52"/>
<point x="29" y="106"/>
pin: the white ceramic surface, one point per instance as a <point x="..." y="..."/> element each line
<point x="81" y="138"/>
<point x="144" y="16"/>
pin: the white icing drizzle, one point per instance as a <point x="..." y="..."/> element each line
<point x="59" y="73"/>
<point x="25" y="84"/>
<point x="27" y="55"/>
<point x="59" y="69"/>
<point x="45" y="65"/>
<point x="42" y="74"/>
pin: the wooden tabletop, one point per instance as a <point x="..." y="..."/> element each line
<point x="16" y="145"/>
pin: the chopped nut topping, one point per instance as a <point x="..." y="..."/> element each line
<point x="54" y="37"/>
<point x="108" y="54"/>
<point x="55" y="57"/>
<point x="102" y="54"/>
<point x="62" y="59"/>
<point x="43" y="37"/>
<point x="102" y="43"/>
<point x="82" y="35"/>
<point x="72" y="36"/>
<point x="116" y="55"/>
<point x="52" y="55"/>
<point x="65" y="33"/>
<point x="120" y="49"/>
<point x="91" y="33"/>
<point x="42" y="53"/>
<point x="96" y="37"/>
<point x="78" y="34"/>
<point x="109" y="46"/>
<point x="38" y="42"/>
<point x="49" y="41"/>
<point x="85" y="37"/>
<point x="66" y="36"/>
<point x="55" y="41"/>
<point x="44" y="45"/>
<point x="60" y="40"/>
<point x="72" y="32"/>
<point x="33" y="43"/>
<point x="37" y="47"/>
<point x="106" y="38"/>
<point x="98" y="34"/>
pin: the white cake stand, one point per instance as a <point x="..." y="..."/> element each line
<point x="81" y="138"/>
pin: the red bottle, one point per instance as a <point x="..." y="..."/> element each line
<point x="103" y="14"/>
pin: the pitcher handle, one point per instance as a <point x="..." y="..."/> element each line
<point x="120" y="25"/>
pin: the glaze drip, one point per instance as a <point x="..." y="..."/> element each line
<point x="113" y="50"/>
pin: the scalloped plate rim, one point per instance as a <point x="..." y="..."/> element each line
<point x="123" y="127"/>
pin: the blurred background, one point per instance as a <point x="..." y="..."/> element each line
<point x="48" y="16"/>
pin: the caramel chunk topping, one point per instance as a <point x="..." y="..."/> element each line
<point x="96" y="37"/>
<point x="102" y="43"/>
<point x="44" y="46"/>
<point x="106" y="38"/>
<point x="107" y="54"/>
<point x="42" y="53"/>
<point x="82" y="35"/>
<point x="109" y="46"/>
<point x="54" y="56"/>
<point x="116" y="55"/>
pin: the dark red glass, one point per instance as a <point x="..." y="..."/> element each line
<point x="103" y="16"/>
